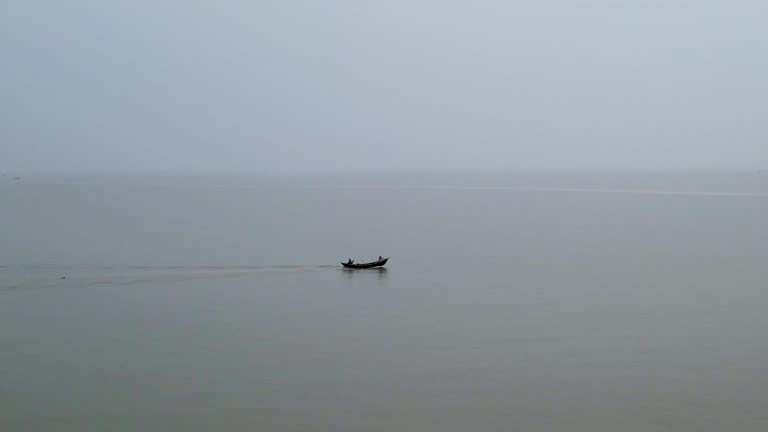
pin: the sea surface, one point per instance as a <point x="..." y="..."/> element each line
<point x="511" y="302"/>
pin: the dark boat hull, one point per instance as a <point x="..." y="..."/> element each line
<point x="378" y="263"/>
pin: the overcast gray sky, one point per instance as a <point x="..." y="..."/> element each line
<point x="182" y="85"/>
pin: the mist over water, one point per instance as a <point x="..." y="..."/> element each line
<point x="602" y="268"/>
<point x="578" y="302"/>
<point x="419" y="85"/>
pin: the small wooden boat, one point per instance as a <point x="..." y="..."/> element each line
<point x="377" y="263"/>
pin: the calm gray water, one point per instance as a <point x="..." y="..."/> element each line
<point x="542" y="303"/>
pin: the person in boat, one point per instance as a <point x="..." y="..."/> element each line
<point x="380" y="258"/>
<point x="350" y="261"/>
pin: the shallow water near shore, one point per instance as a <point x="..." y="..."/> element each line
<point x="558" y="303"/>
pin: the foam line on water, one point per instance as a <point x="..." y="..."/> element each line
<point x="568" y="190"/>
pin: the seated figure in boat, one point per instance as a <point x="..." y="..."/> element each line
<point x="350" y="261"/>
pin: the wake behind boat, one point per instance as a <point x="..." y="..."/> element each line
<point x="378" y="263"/>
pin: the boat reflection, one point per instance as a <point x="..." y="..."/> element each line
<point x="380" y="272"/>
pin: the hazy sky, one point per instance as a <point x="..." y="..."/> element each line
<point x="184" y="85"/>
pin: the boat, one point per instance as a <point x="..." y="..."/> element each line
<point x="377" y="263"/>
